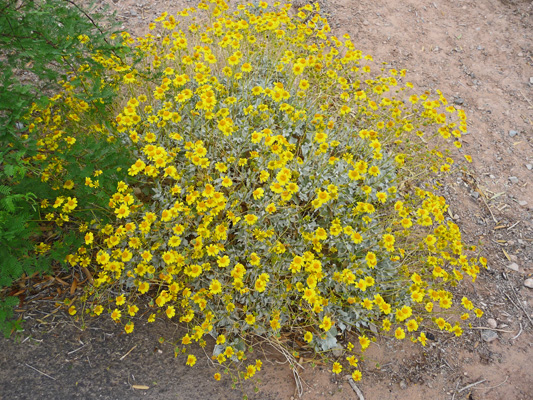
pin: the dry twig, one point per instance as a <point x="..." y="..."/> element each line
<point x="355" y="388"/>
<point x="493" y="387"/>
<point x="41" y="372"/>
<point x="491" y="329"/>
<point x="471" y="385"/>
<point x="519" y="333"/>
<point x="125" y="355"/>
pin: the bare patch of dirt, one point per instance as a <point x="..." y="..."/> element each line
<point x="479" y="53"/>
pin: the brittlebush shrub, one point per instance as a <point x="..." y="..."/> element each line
<point x="281" y="188"/>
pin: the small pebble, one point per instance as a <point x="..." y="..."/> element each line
<point x="513" y="133"/>
<point x="458" y="100"/>
<point x="488" y="335"/>
<point x="513" y="179"/>
<point x="523" y="203"/>
<point x="513" y="266"/>
<point x="492" y="323"/>
<point x="529" y="166"/>
<point x="403" y="385"/>
<point x="531" y="80"/>
<point x="528" y="283"/>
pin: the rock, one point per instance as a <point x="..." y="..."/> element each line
<point x="531" y="80"/>
<point x="337" y="352"/>
<point x="488" y="335"/>
<point x="528" y="283"/>
<point x="133" y="13"/>
<point x="458" y="100"/>
<point x="529" y="166"/>
<point x="513" y="179"/>
<point x="403" y="385"/>
<point x="492" y="323"/>
<point x="513" y="266"/>
<point x="523" y="203"/>
<point x="513" y="133"/>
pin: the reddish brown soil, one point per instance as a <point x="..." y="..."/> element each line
<point x="479" y="53"/>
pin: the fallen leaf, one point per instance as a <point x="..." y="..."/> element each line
<point x="74" y="286"/>
<point x="88" y="274"/>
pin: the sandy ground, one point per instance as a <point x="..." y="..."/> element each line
<point x="480" y="55"/>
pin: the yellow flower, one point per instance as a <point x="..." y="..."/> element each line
<point x="441" y="323"/>
<point x="250" y="319"/>
<point x="143" y="287"/>
<point x="170" y="311"/>
<point x="226" y="182"/>
<point x="229" y="352"/>
<point x="308" y="337"/>
<point x="68" y="184"/>
<point x="116" y="314"/>
<point x="399" y="333"/>
<point x="260" y="285"/>
<point x="356" y="375"/>
<point x="326" y="324"/>
<point x="246" y="67"/>
<point x="271" y="208"/>
<point x="412" y="325"/>
<point x="250" y="371"/>
<point x="215" y="287"/>
<point x="250" y="219"/>
<point x="89" y="238"/>
<point x="120" y="300"/>
<point x="191" y="360"/>
<point x="72" y="310"/>
<point x="217" y="376"/>
<point x="364" y="342"/>
<point x="422" y="338"/>
<point x="337" y="368"/>
<point x="129" y="327"/>
<point x="223" y="261"/>
<point x="258" y="193"/>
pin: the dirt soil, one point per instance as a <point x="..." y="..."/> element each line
<point x="479" y="53"/>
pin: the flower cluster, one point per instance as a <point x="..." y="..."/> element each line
<point x="277" y="186"/>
